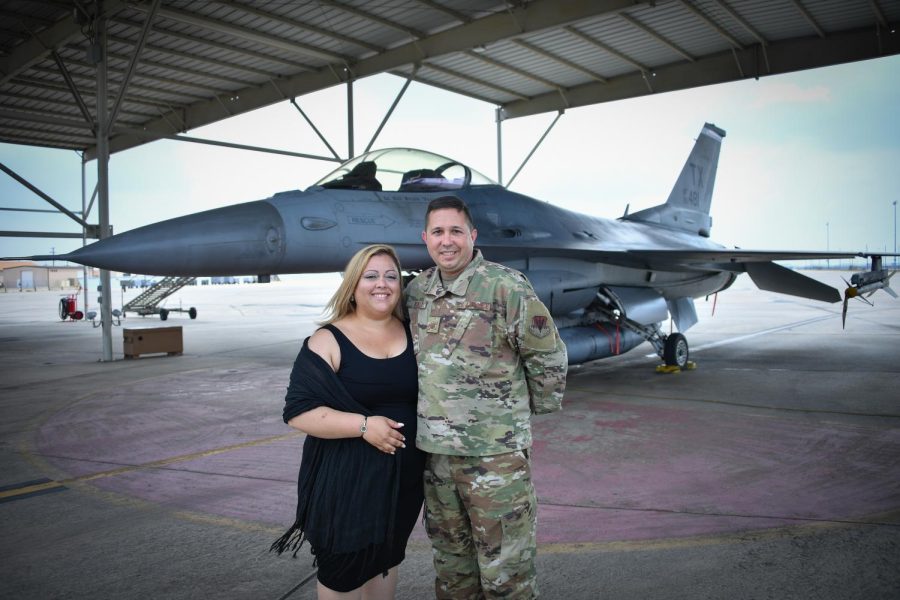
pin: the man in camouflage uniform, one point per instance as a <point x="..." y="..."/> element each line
<point x="489" y="357"/>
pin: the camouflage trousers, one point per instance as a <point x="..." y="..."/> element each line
<point x="480" y="514"/>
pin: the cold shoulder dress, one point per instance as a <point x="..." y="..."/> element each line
<point x="388" y="387"/>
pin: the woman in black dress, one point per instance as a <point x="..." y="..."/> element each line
<point x="353" y="391"/>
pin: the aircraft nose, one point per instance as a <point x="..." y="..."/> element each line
<point x="245" y="239"/>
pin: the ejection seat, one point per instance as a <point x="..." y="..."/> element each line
<point x="420" y="180"/>
<point x="361" y="177"/>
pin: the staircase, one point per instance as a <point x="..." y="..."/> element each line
<point x="147" y="302"/>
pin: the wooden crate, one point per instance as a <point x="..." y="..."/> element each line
<point x="152" y="340"/>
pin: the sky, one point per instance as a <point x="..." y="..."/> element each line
<point x="809" y="161"/>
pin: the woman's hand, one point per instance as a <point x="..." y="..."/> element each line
<point x="384" y="434"/>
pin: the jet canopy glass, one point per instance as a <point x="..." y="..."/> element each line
<point x="403" y="170"/>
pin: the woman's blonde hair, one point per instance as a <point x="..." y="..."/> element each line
<point x="342" y="302"/>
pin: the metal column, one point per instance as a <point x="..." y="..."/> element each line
<point x="84" y="269"/>
<point x="499" y="117"/>
<point x="103" y="176"/>
<point x="350" y="151"/>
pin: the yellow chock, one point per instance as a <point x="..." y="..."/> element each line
<point x="689" y="366"/>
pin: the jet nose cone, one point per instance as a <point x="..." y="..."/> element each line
<point x="234" y="240"/>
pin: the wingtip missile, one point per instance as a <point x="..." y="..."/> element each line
<point x="863" y="284"/>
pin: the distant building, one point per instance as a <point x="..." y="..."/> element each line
<point x="29" y="277"/>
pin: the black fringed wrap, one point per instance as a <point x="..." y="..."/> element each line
<point x="347" y="489"/>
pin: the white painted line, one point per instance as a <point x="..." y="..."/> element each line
<point x="741" y="338"/>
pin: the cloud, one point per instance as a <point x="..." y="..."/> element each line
<point x="775" y="93"/>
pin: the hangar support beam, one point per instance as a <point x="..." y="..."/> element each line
<point x="779" y="57"/>
<point x="196" y="140"/>
<point x="535" y="16"/>
<point x="36" y="48"/>
<point x="534" y="149"/>
<point x="50" y="200"/>
<point x="102" y="121"/>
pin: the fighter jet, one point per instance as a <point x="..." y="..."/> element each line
<point x="610" y="284"/>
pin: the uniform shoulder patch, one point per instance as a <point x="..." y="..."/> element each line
<point x="538" y="324"/>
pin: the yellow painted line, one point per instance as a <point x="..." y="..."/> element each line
<point x="625" y="395"/>
<point x="30" y="489"/>
<point x="686" y="542"/>
<point x="150" y="465"/>
<point x="248" y="526"/>
<point x="883" y="519"/>
<point x="183" y="458"/>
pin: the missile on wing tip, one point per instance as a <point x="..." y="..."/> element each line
<point x="242" y="239"/>
<point x="869" y="282"/>
<point x="874" y="287"/>
<point x="864" y="278"/>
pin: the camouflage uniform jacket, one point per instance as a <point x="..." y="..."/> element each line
<point x="489" y="356"/>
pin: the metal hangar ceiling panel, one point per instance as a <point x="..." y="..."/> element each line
<point x="174" y="65"/>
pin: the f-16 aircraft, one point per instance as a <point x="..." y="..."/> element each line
<point x="609" y="284"/>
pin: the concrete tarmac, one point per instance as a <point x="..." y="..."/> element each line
<point x="770" y="471"/>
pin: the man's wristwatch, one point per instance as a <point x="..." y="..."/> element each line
<point x="363" y="428"/>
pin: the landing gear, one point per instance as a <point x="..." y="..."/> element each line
<point x="608" y="310"/>
<point x="675" y="351"/>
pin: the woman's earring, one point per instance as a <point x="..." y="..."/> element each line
<point x="352" y="299"/>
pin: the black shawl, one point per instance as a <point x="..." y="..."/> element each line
<point x="347" y="489"/>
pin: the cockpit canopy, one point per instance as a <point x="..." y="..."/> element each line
<point x="402" y="170"/>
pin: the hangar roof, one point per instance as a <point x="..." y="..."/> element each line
<point x="201" y="62"/>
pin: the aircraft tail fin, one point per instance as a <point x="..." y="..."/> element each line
<point x="687" y="207"/>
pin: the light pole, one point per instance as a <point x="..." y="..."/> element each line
<point x="827" y="244"/>
<point x="895" y="234"/>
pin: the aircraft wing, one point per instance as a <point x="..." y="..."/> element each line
<point x="758" y="264"/>
<point x="736" y="255"/>
<point x="724" y="259"/>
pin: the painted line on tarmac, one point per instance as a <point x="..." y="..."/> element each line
<point x="303" y="582"/>
<point x="679" y="543"/>
<point x="693" y="513"/>
<point x="34" y="488"/>
<point x="763" y="332"/>
<point x="888" y="519"/>
<point x="749" y="336"/>
<point x="786" y="409"/>
<point x="28" y="489"/>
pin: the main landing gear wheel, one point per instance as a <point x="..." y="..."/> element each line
<point x="675" y="351"/>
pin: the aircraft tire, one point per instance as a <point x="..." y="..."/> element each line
<point x="192" y="312"/>
<point x="675" y="351"/>
<point x="63" y="309"/>
<point x="163" y="314"/>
